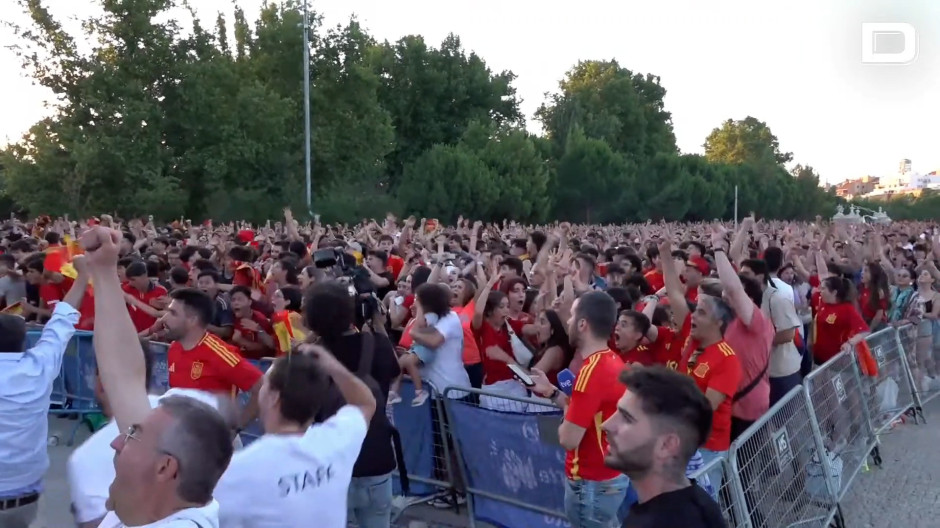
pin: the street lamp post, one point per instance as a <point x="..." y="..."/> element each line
<point x="307" y="154"/>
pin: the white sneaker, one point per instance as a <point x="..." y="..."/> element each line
<point x="393" y="398"/>
<point x="926" y="383"/>
<point x="420" y="397"/>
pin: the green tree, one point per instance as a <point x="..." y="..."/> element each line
<point x="520" y="167"/>
<point x="589" y="175"/>
<point x="610" y="103"/>
<point x="448" y="181"/>
<point x="744" y="141"/>
<point x="433" y="95"/>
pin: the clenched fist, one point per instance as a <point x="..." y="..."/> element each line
<point x="101" y="245"/>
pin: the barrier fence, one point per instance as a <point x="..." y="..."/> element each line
<point x="793" y="467"/>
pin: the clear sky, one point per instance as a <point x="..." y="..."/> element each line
<point x="795" y="65"/>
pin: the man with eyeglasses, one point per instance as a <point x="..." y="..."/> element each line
<point x="26" y="378"/>
<point x="90" y="467"/>
<point x="170" y="458"/>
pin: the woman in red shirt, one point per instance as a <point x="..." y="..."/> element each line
<point x="838" y="326"/>
<point x="874" y="295"/>
<point x="493" y="330"/>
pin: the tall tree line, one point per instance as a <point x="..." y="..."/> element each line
<point x="208" y="122"/>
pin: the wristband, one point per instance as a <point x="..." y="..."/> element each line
<point x="554" y="394"/>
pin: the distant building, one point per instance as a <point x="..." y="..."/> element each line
<point x="859" y="187"/>
<point x="905" y="182"/>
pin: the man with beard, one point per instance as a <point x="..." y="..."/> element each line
<point x="198" y="359"/>
<point x="660" y="422"/>
<point x="594" y="492"/>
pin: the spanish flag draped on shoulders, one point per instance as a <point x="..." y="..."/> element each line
<point x="288" y="327"/>
<point x="58" y="260"/>
<point x="246" y="275"/>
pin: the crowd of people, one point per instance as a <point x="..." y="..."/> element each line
<point x="661" y="343"/>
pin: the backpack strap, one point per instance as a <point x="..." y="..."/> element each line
<point x="366" y="354"/>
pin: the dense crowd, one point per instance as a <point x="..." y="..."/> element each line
<point x="662" y="343"/>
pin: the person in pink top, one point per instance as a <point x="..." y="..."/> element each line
<point x="751" y="335"/>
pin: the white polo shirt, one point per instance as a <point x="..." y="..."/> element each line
<point x="294" y="481"/>
<point x="90" y="468"/>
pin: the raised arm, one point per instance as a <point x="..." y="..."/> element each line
<point x="742" y="304"/>
<point x="117" y="348"/>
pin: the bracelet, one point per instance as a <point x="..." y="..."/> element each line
<point x="554" y="394"/>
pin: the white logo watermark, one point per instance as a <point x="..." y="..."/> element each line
<point x="888" y="43"/>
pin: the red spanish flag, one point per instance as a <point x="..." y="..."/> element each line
<point x="287" y="327"/>
<point x="246" y="275"/>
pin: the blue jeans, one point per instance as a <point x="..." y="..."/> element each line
<point x="594" y="504"/>
<point x="370" y="501"/>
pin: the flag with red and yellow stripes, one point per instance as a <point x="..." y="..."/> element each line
<point x="14" y="309"/>
<point x="287" y="327"/>
<point x="59" y="258"/>
<point x="246" y="275"/>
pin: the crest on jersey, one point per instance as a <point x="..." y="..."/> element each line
<point x="701" y="371"/>
<point x="196" y="372"/>
<point x="831" y="319"/>
<point x="674" y="365"/>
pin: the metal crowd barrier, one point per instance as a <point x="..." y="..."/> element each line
<point x="793" y="467"/>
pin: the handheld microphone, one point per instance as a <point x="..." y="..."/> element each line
<point x="566" y="381"/>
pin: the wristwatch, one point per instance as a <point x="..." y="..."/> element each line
<point x="554" y="394"/>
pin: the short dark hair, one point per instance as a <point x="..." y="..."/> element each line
<point x="197" y="302"/>
<point x="514" y="263"/>
<point x="211" y="273"/>
<point x="638" y="319"/>
<point x="672" y="400"/>
<point x="752" y="289"/>
<point x="293" y="297"/>
<point x="179" y="275"/>
<point x="302" y="386"/>
<point x="600" y="312"/>
<point x="434" y="298"/>
<point x="329" y="310"/>
<point x="136" y="269"/>
<point x="8" y="260"/>
<point x="758" y="267"/>
<point x="201" y="442"/>
<point x="773" y="256"/>
<point x="12" y="333"/>
<point x="244" y="290"/>
<point x="52" y="237"/>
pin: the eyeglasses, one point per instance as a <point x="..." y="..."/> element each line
<point x="132" y="433"/>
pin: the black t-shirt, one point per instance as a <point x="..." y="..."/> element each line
<point x="689" y="507"/>
<point x="376" y="457"/>
<point x="382" y="292"/>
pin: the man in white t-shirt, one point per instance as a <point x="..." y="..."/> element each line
<point x="169" y="459"/>
<point x="297" y="475"/>
<point x="90" y="469"/>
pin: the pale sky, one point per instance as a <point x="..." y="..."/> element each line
<point x="795" y="65"/>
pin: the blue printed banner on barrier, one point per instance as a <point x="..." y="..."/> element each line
<point x="508" y="458"/>
<point x="417" y="439"/>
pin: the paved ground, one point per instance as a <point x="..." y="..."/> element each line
<point x="905" y="491"/>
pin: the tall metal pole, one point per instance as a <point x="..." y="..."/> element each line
<point x="307" y="153"/>
<point x="735" y="207"/>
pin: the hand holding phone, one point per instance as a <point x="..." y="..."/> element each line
<point x="521" y="375"/>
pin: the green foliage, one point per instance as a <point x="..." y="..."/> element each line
<point x="209" y="123"/>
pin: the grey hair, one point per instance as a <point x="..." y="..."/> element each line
<point x="720" y="310"/>
<point x="201" y="442"/>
